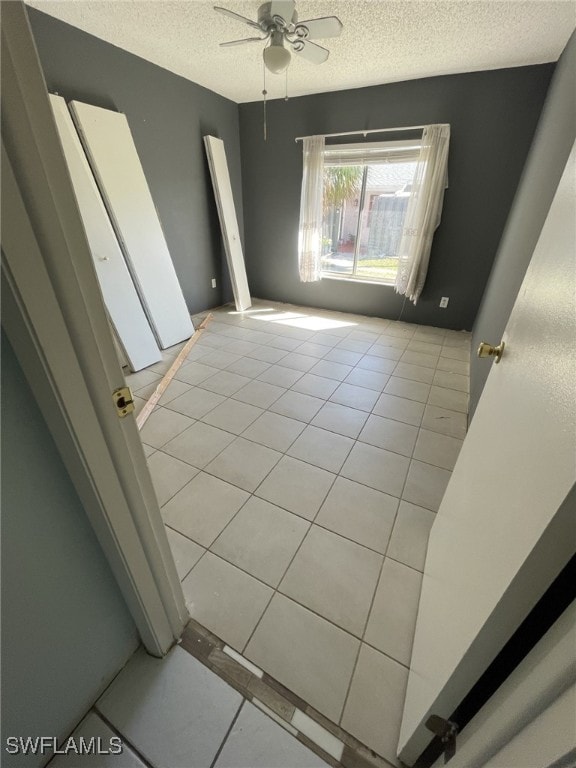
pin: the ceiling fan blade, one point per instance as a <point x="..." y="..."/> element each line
<point x="241" y="42"/>
<point x="329" y="26"/>
<point x="313" y="53"/>
<point x="236" y="16"/>
<point x="283" y="8"/>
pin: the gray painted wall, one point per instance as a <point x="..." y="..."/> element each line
<point x="65" y="628"/>
<point x="553" y="141"/>
<point x="493" y="116"/>
<point x="168" y="116"/>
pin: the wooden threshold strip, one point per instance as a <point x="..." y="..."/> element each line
<point x="171" y="372"/>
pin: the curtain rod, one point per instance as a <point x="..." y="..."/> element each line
<point x="365" y="133"/>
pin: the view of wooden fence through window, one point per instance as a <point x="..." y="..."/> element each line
<point x="364" y="209"/>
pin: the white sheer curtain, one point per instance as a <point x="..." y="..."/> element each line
<point x="311" y="210"/>
<point x="424" y="211"/>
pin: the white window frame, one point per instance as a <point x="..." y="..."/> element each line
<point x="405" y="148"/>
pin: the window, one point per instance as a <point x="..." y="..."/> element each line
<point x="366" y="193"/>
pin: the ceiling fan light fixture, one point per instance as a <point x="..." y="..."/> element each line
<point x="279" y="25"/>
<point x="276" y="58"/>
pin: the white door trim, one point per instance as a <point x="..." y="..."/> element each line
<point x="56" y="322"/>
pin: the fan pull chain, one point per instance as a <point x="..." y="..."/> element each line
<point x="264" y="93"/>
<point x="286" y="85"/>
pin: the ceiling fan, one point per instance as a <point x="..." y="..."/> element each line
<point x="279" y="26"/>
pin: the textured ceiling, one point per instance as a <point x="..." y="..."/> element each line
<point x="383" y="40"/>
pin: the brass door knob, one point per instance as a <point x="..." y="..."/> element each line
<point x="487" y="350"/>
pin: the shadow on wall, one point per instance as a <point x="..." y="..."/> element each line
<point x="555" y="135"/>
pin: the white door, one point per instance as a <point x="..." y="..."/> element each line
<point x="130" y="324"/>
<point x="228" y="221"/>
<point x="54" y="317"/>
<point x="530" y="719"/>
<point x="112" y="154"/>
<point x="502" y="534"/>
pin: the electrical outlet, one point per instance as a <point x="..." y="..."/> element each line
<point x="444" y="302"/>
<point x="213" y="282"/>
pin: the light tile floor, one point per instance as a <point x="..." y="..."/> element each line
<point x="299" y="457"/>
<point x="176" y="713"/>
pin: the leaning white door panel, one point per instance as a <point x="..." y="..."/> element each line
<point x="112" y="154"/>
<point x="502" y="535"/>
<point x="124" y="308"/>
<point x="228" y="221"/>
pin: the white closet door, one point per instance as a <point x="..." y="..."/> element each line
<point x="228" y="221"/>
<point x="112" y="154"/>
<point x="122" y="303"/>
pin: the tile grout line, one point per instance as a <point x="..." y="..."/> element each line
<point x="92" y="707"/>
<point x="119" y="733"/>
<point x="294" y="600"/>
<point x="322" y="358"/>
<point x="228" y="732"/>
<point x="349" y="686"/>
<point x="276" y="590"/>
<point x="406" y="565"/>
<point x="311" y="522"/>
<point x="277" y="587"/>
<point x="368" y="615"/>
<point x="250" y="496"/>
<point x="380" y="576"/>
<point x="209" y="547"/>
<point x="169" y="455"/>
<point x="202" y="556"/>
<point x="353" y="541"/>
<point x="355" y="441"/>
<point x="304" y="461"/>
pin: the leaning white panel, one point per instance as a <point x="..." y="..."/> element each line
<point x="132" y="329"/>
<point x="228" y="221"/>
<point x="112" y="154"/>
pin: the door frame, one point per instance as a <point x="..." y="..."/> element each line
<point x="54" y="317"/>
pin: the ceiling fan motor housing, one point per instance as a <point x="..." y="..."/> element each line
<point x="267" y="23"/>
<point x="283" y="34"/>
